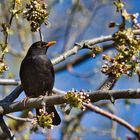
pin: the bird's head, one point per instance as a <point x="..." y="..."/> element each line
<point x="40" y="47"/>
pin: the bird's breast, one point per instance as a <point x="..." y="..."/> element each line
<point x="37" y="76"/>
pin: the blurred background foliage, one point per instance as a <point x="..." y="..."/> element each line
<point x="71" y="21"/>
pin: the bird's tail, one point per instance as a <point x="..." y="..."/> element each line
<point x="56" y="119"/>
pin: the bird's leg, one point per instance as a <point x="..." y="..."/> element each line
<point x="44" y="94"/>
<point x="25" y="100"/>
<point x="43" y="104"/>
<point x="44" y="107"/>
<point x="47" y="93"/>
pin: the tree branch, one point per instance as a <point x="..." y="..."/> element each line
<point x="6" y="108"/>
<point x="84" y="44"/>
<point x="40" y="34"/>
<point x="12" y="96"/>
<point x="12" y="82"/>
<point x="112" y="117"/>
<point x="6" y="35"/>
<point x="18" y="118"/>
<point x="6" y="129"/>
<point x="81" y="59"/>
<point x="109" y="83"/>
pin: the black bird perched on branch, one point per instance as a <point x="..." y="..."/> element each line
<point x="37" y="74"/>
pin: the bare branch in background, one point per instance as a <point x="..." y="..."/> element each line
<point x="71" y="125"/>
<point x="84" y="44"/>
<point x="18" y="118"/>
<point x="83" y="23"/>
<point x="6" y="35"/>
<point x="113" y="117"/>
<point x="6" y="129"/>
<point x="41" y="35"/>
<point x="109" y="83"/>
<point x="9" y="82"/>
<point x="13" y="95"/>
<point x="81" y="59"/>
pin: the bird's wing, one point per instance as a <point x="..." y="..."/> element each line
<point x="43" y="65"/>
<point x="37" y="75"/>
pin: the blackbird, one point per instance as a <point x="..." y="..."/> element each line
<point x="37" y="75"/>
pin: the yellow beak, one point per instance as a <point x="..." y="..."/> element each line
<point x="48" y="44"/>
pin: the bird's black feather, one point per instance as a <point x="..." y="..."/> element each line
<point x="37" y="75"/>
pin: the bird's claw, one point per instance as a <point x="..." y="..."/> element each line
<point x="25" y="100"/>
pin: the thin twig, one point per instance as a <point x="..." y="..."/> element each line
<point x="40" y="34"/>
<point x="80" y="59"/>
<point x="9" y="26"/>
<point x="70" y="23"/>
<point x="12" y="96"/>
<point x="112" y="117"/>
<point x="3" y="125"/>
<point x="6" y="129"/>
<point x="9" y="82"/>
<point x="84" y="44"/>
<point x="109" y="83"/>
<point x="18" y="118"/>
<point x="71" y="125"/>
